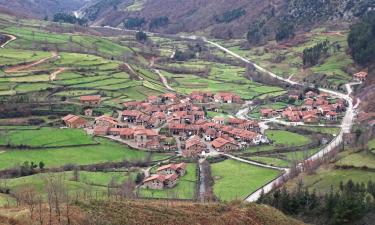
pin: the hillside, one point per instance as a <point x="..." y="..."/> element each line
<point x="40" y="8"/>
<point x="156" y="212"/>
<point x="224" y="18"/>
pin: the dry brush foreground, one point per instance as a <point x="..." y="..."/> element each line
<point x="154" y="212"/>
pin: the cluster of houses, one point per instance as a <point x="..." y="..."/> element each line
<point x="180" y="117"/>
<point x="165" y="177"/>
<point x="360" y="76"/>
<point x="315" y="107"/>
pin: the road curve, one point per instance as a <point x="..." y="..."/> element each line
<point x="11" y="38"/>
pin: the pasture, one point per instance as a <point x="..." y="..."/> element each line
<point x="45" y="137"/>
<point x="105" y="151"/>
<point x="235" y="180"/>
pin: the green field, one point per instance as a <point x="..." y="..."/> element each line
<point x="95" y="182"/>
<point x="325" y="177"/>
<point x="273" y="161"/>
<point x="106" y="151"/>
<point x="236" y="180"/>
<point x="324" y="130"/>
<point x="185" y="188"/>
<point x="45" y="137"/>
<point x="286" y="138"/>
<point x="371" y="144"/>
<point x="358" y="160"/>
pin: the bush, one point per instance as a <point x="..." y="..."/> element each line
<point x="134" y="22"/>
<point x="230" y="15"/>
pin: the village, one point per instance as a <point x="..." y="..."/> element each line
<point x="177" y="123"/>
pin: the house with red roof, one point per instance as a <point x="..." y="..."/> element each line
<point x="73" y="121"/>
<point x="311" y="118"/>
<point x="193" y="146"/>
<point x="130" y="116"/>
<point x="267" y="112"/>
<point x="127" y="133"/>
<point x="223" y="145"/>
<point x="90" y="100"/>
<point x="160" y="181"/>
<point x="360" y="76"/>
<point x="106" y="121"/>
<point x="143" y="136"/>
<point x="178" y="169"/>
<point x="331" y="116"/>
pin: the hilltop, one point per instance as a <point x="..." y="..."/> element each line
<point x="223" y="19"/>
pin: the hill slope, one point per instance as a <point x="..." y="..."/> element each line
<point x="223" y="18"/>
<point x="40" y="8"/>
<point x="176" y="213"/>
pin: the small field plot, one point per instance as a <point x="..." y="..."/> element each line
<point x="371" y="144"/>
<point x="236" y="180"/>
<point x="46" y="137"/>
<point x="358" y="160"/>
<point x="286" y="138"/>
<point x="10" y="57"/>
<point x="96" y="182"/>
<point x="273" y="161"/>
<point x="327" y="177"/>
<point x="185" y="188"/>
<point x="106" y="151"/>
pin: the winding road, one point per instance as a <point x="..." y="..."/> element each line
<point x="11" y="38"/>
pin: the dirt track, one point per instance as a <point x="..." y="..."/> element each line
<point x="15" y="69"/>
<point x="11" y="38"/>
<point x="53" y="75"/>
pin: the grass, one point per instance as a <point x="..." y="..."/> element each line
<point x="185" y="188"/>
<point x="371" y="144"/>
<point x="327" y="177"/>
<point x="271" y="161"/>
<point x="359" y="160"/>
<point x="96" y="182"/>
<point x="46" y="137"/>
<point x="286" y="138"/>
<point x="106" y="151"/>
<point x="324" y="130"/>
<point x="236" y="180"/>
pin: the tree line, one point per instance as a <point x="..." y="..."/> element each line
<point x="346" y="205"/>
<point x="67" y="18"/>
<point x="361" y="40"/>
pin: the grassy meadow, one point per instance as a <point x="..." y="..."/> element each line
<point x="236" y="180"/>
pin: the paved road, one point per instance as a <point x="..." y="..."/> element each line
<point x="11" y="38"/>
<point x="255" y="163"/>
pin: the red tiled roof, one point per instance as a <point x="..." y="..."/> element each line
<point x="132" y="113"/>
<point x="90" y="98"/>
<point x="172" y="166"/>
<point x="219" y="142"/>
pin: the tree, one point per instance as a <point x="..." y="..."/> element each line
<point x="141" y="36"/>
<point x="41" y="165"/>
<point x="361" y="40"/>
<point x="139" y="178"/>
<point x="134" y="22"/>
<point x="284" y="31"/>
